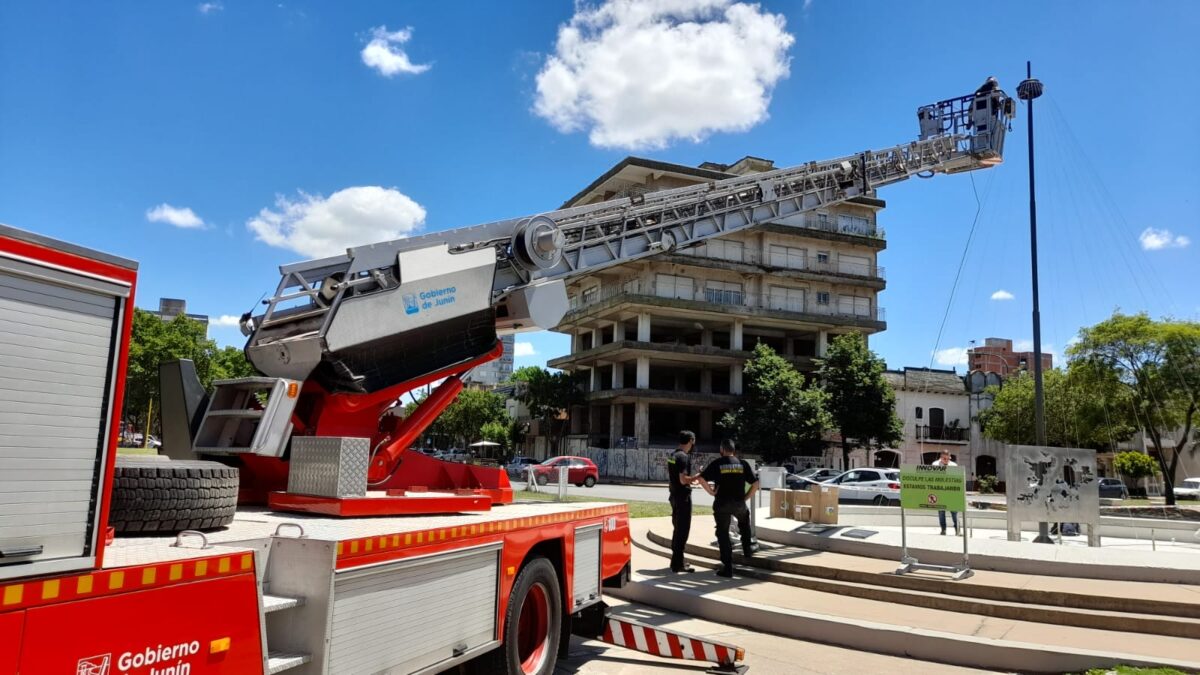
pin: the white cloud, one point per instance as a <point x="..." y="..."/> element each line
<point x="523" y="349"/>
<point x="951" y="356"/>
<point x="1002" y="295"/>
<point x="1156" y="240"/>
<point x="641" y="73"/>
<point x="177" y="216"/>
<point x="224" y="320"/>
<point x="385" y="53"/>
<point x="210" y="7"/>
<point x="1022" y="345"/>
<point x="316" y="226"/>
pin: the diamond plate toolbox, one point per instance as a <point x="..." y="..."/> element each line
<point x="329" y="466"/>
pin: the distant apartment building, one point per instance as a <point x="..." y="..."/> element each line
<point x="494" y="373"/>
<point x="940" y="412"/>
<point x="663" y="340"/>
<point x="169" y="308"/>
<point x="997" y="356"/>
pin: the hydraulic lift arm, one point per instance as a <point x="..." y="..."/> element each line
<point x="360" y="329"/>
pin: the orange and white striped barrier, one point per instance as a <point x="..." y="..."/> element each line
<point x="640" y="637"/>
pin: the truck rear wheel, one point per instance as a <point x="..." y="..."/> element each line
<point x="156" y="496"/>
<point x="532" y="623"/>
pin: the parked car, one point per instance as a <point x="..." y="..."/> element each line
<point x="794" y="481"/>
<point x="580" y="471"/>
<point x="819" y="474"/>
<point x="517" y="466"/>
<point x="1113" y="488"/>
<point x="1189" y="488"/>
<point x="868" y="486"/>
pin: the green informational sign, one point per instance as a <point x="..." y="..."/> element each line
<point x="933" y="487"/>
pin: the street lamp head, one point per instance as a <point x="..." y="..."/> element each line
<point x="1029" y="89"/>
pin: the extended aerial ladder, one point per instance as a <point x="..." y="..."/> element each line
<point x="343" y="337"/>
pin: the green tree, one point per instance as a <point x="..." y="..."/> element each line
<point x="230" y="364"/>
<point x="497" y="432"/>
<point x="1134" y="465"/>
<point x="465" y="418"/>
<point x="1158" y="365"/>
<point x="548" y="395"/>
<point x="152" y="342"/>
<point x="776" y="416"/>
<point x="861" y="401"/>
<point x="1084" y="408"/>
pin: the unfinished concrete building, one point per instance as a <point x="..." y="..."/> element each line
<point x="663" y="341"/>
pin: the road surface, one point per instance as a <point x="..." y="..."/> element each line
<point x="632" y="493"/>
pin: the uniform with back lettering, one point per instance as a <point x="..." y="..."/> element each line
<point x="732" y="482"/>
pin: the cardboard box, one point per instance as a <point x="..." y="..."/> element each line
<point x="802" y="503"/>
<point x="825" y="509"/>
<point x="781" y="503"/>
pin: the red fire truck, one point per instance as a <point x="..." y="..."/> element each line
<point x="285" y="527"/>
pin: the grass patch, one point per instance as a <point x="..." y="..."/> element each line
<point x="637" y="509"/>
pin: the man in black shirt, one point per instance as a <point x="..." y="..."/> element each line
<point x="679" y="487"/>
<point x="731" y="477"/>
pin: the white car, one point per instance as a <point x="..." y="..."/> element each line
<point x="880" y="487"/>
<point x="1188" y="489"/>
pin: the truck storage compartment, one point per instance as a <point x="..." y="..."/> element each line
<point x="58" y="354"/>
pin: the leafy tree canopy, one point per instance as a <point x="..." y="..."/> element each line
<point x="777" y="417"/>
<point x="861" y="401"/>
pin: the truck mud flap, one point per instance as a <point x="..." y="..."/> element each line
<point x="598" y="623"/>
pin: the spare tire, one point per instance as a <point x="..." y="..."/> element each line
<point x="157" y="496"/>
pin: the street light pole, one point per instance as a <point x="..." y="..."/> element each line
<point x="1027" y="91"/>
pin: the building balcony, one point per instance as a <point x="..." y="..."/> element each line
<point x="628" y="350"/>
<point x="828" y="310"/>
<point x="667" y="396"/>
<point x="754" y="261"/>
<point x="943" y="434"/>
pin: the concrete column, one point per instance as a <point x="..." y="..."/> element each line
<point x="618" y="375"/>
<point x="706" y="338"/>
<point x="822" y="342"/>
<point x="597" y="337"/>
<point x="706" y="381"/>
<point x="706" y="424"/>
<point x="643" y="334"/>
<point x="643" y="372"/>
<point x="735" y="334"/>
<point x="641" y="423"/>
<point x="595" y="378"/>
<point x="577" y="419"/>
<point x="789" y="347"/>
<point x="618" y="331"/>
<point x="616" y="420"/>
<point x="735" y="379"/>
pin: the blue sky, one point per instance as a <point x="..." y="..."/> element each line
<point x="214" y="141"/>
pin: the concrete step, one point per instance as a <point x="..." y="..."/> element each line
<point x="889" y="627"/>
<point x="773" y="563"/>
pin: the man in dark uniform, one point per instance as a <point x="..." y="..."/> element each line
<point x="731" y="476"/>
<point x="679" y="487"/>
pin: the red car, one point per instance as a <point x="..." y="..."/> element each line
<point x="580" y="471"/>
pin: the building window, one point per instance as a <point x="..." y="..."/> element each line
<point x="853" y="264"/>
<point x="723" y="292"/>
<point x="919" y="412"/>
<point x="854" y="224"/>
<point x="590" y="294"/>
<point x="788" y="257"/>
<point x="669" y="286"/>
<point x="823" y="298"/>
<point x="724" y="249"/>
<point x="787" y="299"/>
<point x="822" y="257"/>
<point x="850" y="305"/>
